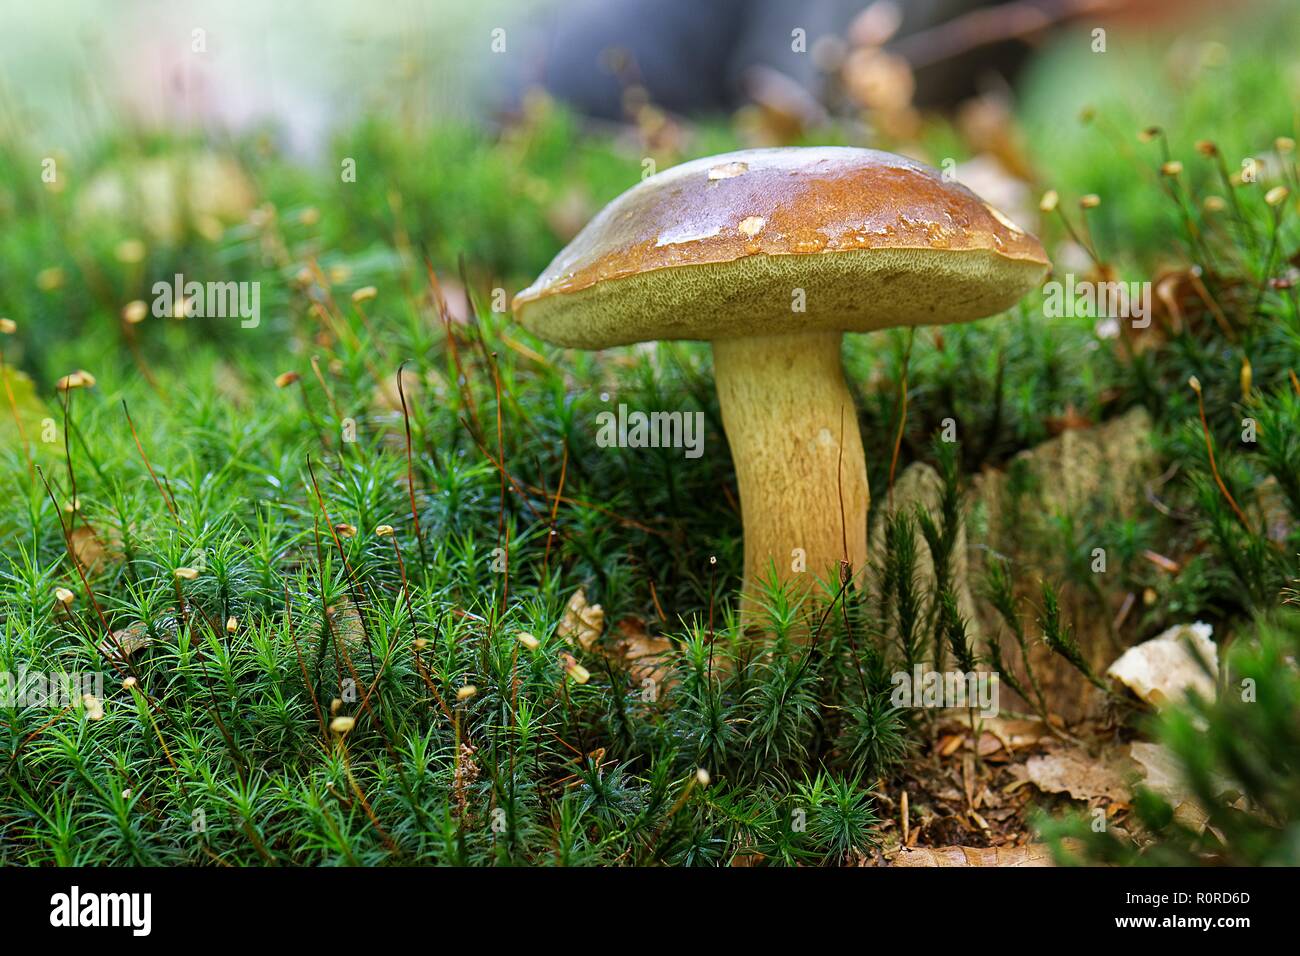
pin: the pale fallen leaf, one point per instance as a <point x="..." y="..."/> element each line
<point x="642" y="651"/>
<point x="1034" y="854"/>
<point x="1164" y="669"/>
<point x="1163" y="775"/>
<point x="582" y="623"/>
<point x="1192" y="815"/>
<point x="87" y="549"/>
<point x="125" y="642"/>
<point x="1004" y="733"/>
<point x="948" y="745"/>
<point x="1081" y="776"/>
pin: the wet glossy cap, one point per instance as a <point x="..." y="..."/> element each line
<point x="771" y="241"/>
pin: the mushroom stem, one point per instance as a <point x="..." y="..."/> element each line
<point x="793" y="432"/>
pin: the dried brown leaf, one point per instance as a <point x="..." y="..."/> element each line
<point x="1083" y="777"/>
<point x="582" y="623"/>
<point x="1034" y="854"/>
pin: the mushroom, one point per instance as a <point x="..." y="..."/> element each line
<point x="771" y="255"/>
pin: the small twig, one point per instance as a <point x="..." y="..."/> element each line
<point x="1209" y="447"/>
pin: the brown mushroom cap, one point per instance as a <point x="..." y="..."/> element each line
<point x="715" y="248"/>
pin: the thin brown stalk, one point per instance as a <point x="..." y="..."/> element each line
<point x="1214" y="468"/>
<point x="555" y="508"/>
<point x="503" y="539"/>
<point x="166" y="497"/>
<point x="410" y="467"/>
